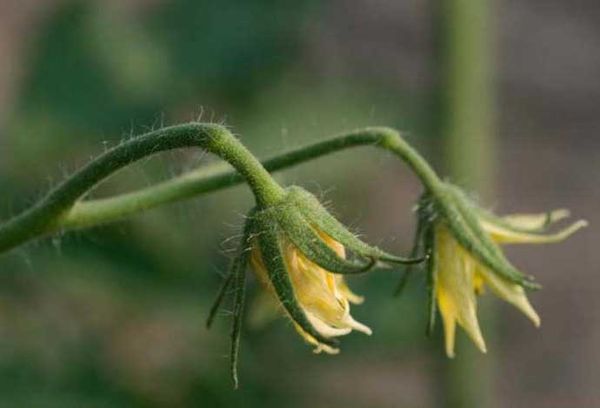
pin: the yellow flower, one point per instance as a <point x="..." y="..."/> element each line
<point x="460" y="276"/>
<point x="298" y="251"/>
<point x="323" y="296"/>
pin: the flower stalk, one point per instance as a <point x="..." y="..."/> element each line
<point x="207" y="179"/>
<point x="59" y="208"/>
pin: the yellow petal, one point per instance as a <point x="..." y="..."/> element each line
<point x="534" y="222"/>
<point x="347" y="292"/>
<point x="465" y="314"/>
<point x="327" y="349"/>
<point x="319" y="347"/>
<point x="449" y="332"/>
<point x="315" y="288"/>
<point x="325" y="329"/>
<point x="478" y="284"/>
<point x="511" y="293"/>
<point x="358" y="326"/>
<point x="455" y="290"/>
<point x="258" y="266"/>
<point x="323" y="296"/>
<point x="332" y="243"/>
<point x="471" y="326"/>
<point x="503" y="235"/>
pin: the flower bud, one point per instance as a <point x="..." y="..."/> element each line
<point x="299" y="253"/>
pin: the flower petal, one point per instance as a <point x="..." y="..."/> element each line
<point x="455" y="290"/>
<point x="358" y="326"/>
<point x="463" y="313"/>
<point x="325" y="329"/>
<point x="449" y="332"/>
<point x="319" y="347"/>
<point x="533" y="222"/>
<point x="507" y="235"/>
<point x="323" y="296"/>
<point x="511" y="293"/>
<point x="346" y="292"/>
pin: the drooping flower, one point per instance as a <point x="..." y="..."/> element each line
<point x="300" y="253"/>
<point x="463" y="241"/>
<point x="323" y="296"/>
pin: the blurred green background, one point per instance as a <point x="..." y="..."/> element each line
<point x="114" y="316"/>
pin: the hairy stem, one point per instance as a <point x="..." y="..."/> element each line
<point x="212" y="178"/>
<point x="56" y="210"/>
<point x="63" y="208"/>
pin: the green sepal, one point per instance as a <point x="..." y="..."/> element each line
<point x="239" y="283"/>
<point x="497" y="262"/>
<point x="303" y="236"/>
<point x="228" y="279"/>
<point x="425" y="218"/>
<point x="318" y="216"/>
<point x="269" y="237"/>
<point x="417" y="248"/>
<point x="432" y="266"/>
<point x="465" y="227"/>
<point x="221" y="294"/>
<point x="238" y="278"/>
<point x="402" y="282"/>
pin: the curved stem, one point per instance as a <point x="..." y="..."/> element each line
<point x="54" y="210"/>
<point x="212" y="178"/>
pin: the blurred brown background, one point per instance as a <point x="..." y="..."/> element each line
<point x="115" y="316"/>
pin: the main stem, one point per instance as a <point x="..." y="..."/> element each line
<point x="63" y="208"/>
<point x="466" y="109"/>
<point x="212" y="178"/>
<point x="55" y="209"/>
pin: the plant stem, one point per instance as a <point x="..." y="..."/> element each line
<point x="50" y="213"/>
<point x="466" y="113"/>
<point x="212" y="178"/>
<point x="63" y="208"/>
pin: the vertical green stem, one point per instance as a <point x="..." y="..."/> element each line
<point x="467" y="92"/>
<point x="465" y="52"/>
